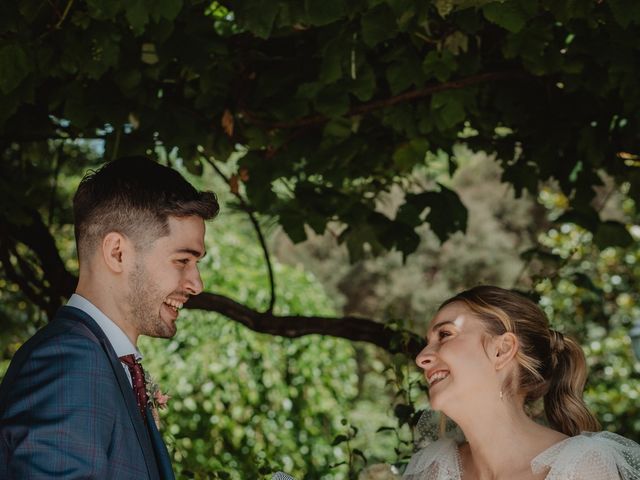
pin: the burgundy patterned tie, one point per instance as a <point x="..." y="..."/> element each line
<point x="137" y="378"/>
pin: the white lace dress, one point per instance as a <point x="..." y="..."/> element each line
<point x="589" y="456"/>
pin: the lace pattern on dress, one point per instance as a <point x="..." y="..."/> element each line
<point x="602" y="456"/>
<point x="588" y="456"/>
<point x="435" y="459"/>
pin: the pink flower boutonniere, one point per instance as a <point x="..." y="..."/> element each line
<point x="160" y="399"/>
<point x="157" y="399"/>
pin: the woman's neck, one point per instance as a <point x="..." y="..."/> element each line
<point x="502" y="441"/>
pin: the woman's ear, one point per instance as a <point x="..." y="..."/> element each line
<point x="505" y="349"/>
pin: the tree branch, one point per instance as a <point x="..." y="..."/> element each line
<point x="64" y="14"/>
<point x="293" y="326"/>
<point x="57" y="162"/>
<point x="22" y="281"/>
<point x="37" y="237"/>
<point x="388" y="102"/>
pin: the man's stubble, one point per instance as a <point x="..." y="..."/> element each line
<point x="145" y="301"/>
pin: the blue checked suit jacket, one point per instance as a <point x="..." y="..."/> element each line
<point x="67" y="410"/>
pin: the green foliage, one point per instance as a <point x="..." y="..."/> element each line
<point x="245" y="404"/>
<point x="347" y="117"/>
<point x="586" y="289"/>
<point x="346" y="96"/>
<point x="591" y="296"/>
<point x="511" y="15"/>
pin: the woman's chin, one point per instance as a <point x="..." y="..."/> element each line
<point x="435" y="403"/>
<point x="437" y="393"/>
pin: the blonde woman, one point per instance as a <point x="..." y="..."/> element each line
<point x="489" y="353"/>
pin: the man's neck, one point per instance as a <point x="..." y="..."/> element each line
<point x="105" y="300"/>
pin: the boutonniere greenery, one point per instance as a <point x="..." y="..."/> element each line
<point x="157" y="399"/>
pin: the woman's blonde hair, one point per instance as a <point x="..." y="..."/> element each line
<point x="552" y="366"/>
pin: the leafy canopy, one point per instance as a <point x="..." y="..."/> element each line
<point x="332" y="102"/>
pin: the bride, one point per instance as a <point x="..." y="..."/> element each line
<point x="489" y="353"/>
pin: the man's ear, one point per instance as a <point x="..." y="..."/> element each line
<point x="506" y="348"/>
<point x="115" y="249"/>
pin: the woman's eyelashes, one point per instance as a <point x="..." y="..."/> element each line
<point x="443" y="334"/>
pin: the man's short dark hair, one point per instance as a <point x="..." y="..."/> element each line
<point x="134" y="196"/>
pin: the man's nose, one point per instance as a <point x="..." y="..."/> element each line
<point x="194" y="282"/>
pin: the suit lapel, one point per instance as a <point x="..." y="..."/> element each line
<point x="162" y="455"/>
<point x="125" y="387"/>
<point x="132" y="408"/>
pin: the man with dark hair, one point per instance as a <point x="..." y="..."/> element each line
<point x="73" y="403"/>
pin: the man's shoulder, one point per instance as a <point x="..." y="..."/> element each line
<point x="68" y="338"/>
<point x="68" y="325"/>
<point x="63" y="355"/>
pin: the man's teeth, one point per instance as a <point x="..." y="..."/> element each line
<point x="175" y="304"/>
<point x="436" y="377"/>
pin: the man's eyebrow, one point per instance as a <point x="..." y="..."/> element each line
<point x="190" y="251"/>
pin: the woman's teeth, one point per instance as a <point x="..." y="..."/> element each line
<point x="436" y="377"/>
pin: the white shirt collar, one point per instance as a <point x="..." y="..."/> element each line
<point x="118" y="339"/>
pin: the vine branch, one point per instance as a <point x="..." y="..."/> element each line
<point x="256" y="225"/>
<point x="65" y="13"/>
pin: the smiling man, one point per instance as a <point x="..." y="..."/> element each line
<point x="73" y="403"/>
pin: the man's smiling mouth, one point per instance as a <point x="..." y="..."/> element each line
<point x="174" y="304"/>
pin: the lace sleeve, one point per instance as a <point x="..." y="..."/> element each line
<point x="436" y="461"/>
<point x="603" y="455"/>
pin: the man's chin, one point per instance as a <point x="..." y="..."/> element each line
<point x="167" y="321"/>
<point x="162" y="327"/>
<point x="163" y="332"/>
<point x="167" y="328"/>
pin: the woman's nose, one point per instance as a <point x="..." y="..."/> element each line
<point x="424" y="358"/>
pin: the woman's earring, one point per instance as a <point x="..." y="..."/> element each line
<point x="501" y="395"/>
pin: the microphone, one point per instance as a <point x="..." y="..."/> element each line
<point x="282" y="476"/>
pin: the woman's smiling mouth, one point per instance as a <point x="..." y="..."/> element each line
<point x="435" y="377"/>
